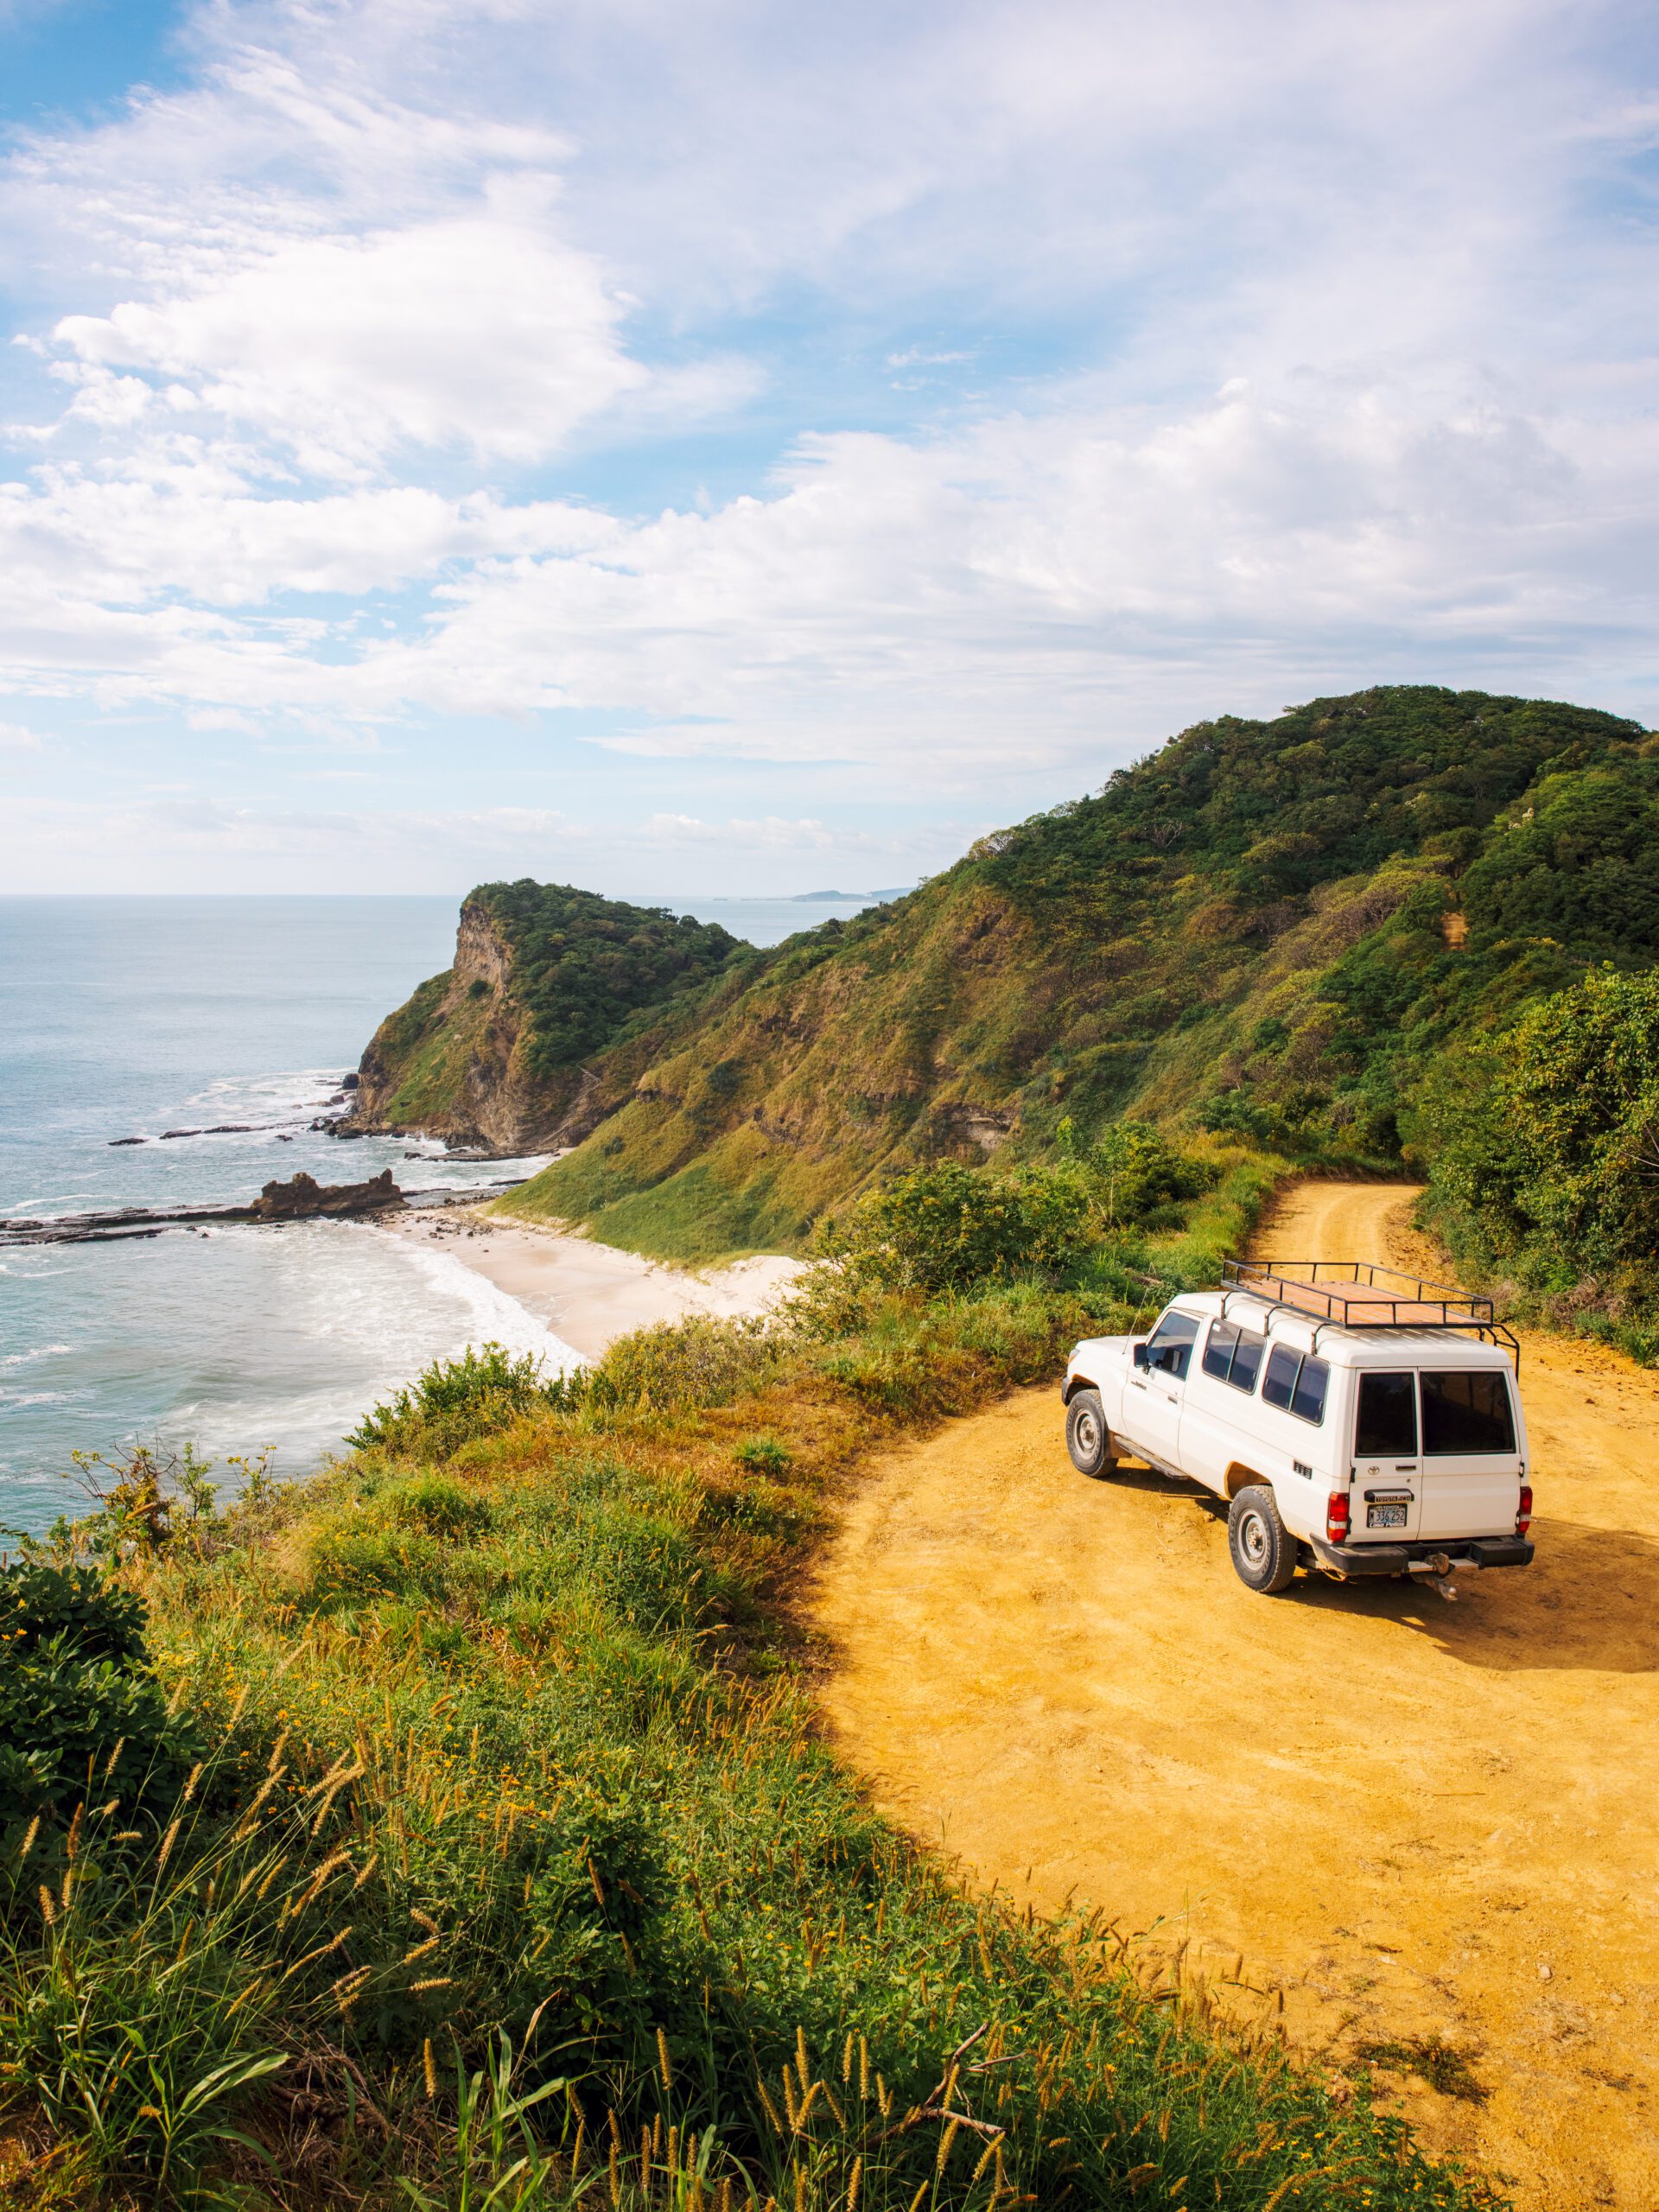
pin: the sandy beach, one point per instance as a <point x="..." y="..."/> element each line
<point x="589" y="1293"/>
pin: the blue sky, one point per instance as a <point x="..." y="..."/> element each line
<point x="731" y="447"/>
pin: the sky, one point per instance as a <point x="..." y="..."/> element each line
<point x="708" y="447"/>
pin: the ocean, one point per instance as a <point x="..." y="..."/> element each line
<point x="128" y="1017"/>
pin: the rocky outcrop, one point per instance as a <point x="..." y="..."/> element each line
<point x="303" y="1198"/>
<point x="450" y="1062"/>
<point x="491" y="1056"/>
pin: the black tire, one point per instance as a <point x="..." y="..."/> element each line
<point x="1087" y="1437"/>
<point x="1264" y="1553"/>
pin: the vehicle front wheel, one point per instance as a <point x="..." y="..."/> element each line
<point x="1263" y="1551"/>
<point x="1087" y="1437"/>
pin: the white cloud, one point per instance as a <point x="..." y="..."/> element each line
<point x="483" y="330"/>
<point x="15" y="738"/>
<point x="1312" y="355"/>
<point x="911" y="607"/>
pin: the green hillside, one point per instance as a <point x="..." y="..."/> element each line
<point x="1272" y="929"/>
<point x="492" y="1052"/>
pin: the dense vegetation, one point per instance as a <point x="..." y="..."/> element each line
<point x="581" y="965"/>
<point x="1547" y="1152"/>
<point x="514" y="1874"/>
<point x="492" y="1051"/>
<point x="1287" y="931"/>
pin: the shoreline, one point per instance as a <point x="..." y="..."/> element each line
<point x="585" y="1293"/>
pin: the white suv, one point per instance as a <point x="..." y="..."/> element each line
<point x="1355" y="1420"/>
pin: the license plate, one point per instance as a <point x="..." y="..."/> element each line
<point x="1385" y="1516"/>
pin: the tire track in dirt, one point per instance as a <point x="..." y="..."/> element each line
<point x="1414" y="1818"/>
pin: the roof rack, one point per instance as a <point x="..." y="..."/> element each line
<point x="1361" y="1294"/>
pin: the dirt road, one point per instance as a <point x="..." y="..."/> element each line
<point x="1417" y="1819"/>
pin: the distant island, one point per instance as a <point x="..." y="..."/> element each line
<point x="822" y="898"/>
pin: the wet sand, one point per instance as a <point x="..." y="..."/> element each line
<point x="589" y="1293"/>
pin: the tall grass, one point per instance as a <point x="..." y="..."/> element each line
<point x="554" y="1894"/>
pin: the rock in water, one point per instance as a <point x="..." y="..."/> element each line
<point x="303" y="1196"/>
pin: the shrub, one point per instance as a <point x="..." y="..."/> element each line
<point x="764" y="1454"/>
<point x="486" y="1389"/>
<point x="77" y="1704"/>
<point x="701" y="1361"/>
<point x="1548" y="1136"/>
<point x="947" y="1229"/>
<point x="1136" y="1170"/>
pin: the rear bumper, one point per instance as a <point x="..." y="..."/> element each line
<point x="1463" y="1552"/>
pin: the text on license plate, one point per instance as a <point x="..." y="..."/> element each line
<point x="1385" y="1516"/>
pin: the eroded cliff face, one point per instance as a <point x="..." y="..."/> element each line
<point x="452" y="1062"/>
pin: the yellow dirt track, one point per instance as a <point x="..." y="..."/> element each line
<point x="1414" y="1818"/>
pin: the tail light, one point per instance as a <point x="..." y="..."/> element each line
<point x="1335" y="1516"/>
<point x="1523" y="1510"/>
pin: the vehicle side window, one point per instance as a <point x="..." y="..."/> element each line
<point x="1169" y="1348"/>
<point x="1296" y="1381"/>
<point x="1280" y="1378"/>
<point x="1247" y="1362"/>
<point x="1386" y="1425"/>
<point x="1467" y="1412"/>
<point x="1307" y="1401"/>
<point x="1219" y="1347"/>
<point x="1232" y="1356"/>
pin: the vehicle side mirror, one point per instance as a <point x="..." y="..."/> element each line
<point x="1141" y="1356"/>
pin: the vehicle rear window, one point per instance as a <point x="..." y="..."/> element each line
<point x="1467" y="1412"/>
<point x="1169" y="1348"/>
<point x="1387" y="1425"/>
<point x="1297" y="1381"/>
<point x="1231" y="1356"/>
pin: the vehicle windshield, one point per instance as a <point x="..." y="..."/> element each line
<point x="1169" y="1348"/>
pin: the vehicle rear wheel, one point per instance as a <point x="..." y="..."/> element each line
<point x="1087" y="1437"/>
<point x="1263" y="1551"/>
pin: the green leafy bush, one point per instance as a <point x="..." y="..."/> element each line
<point x="1136" y="1171"/>
<point x="78" y="1705"/>
<point x="455" y="1399"/>
<point x="1547" y="1139"/>
<point x="947" y="1229"/>
<point x="701" y="1361"/>
<point x="765" y="1455"/>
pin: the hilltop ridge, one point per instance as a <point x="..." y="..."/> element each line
<point x="1267" y="928"/>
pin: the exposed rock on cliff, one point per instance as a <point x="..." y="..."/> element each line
<point x="491" y="1055"/>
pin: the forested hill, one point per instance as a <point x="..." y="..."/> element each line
<point x="492" y="1052"/>
<point x="1273" y="928"/>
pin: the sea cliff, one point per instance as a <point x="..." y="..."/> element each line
<point x="491" y="1054"/>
